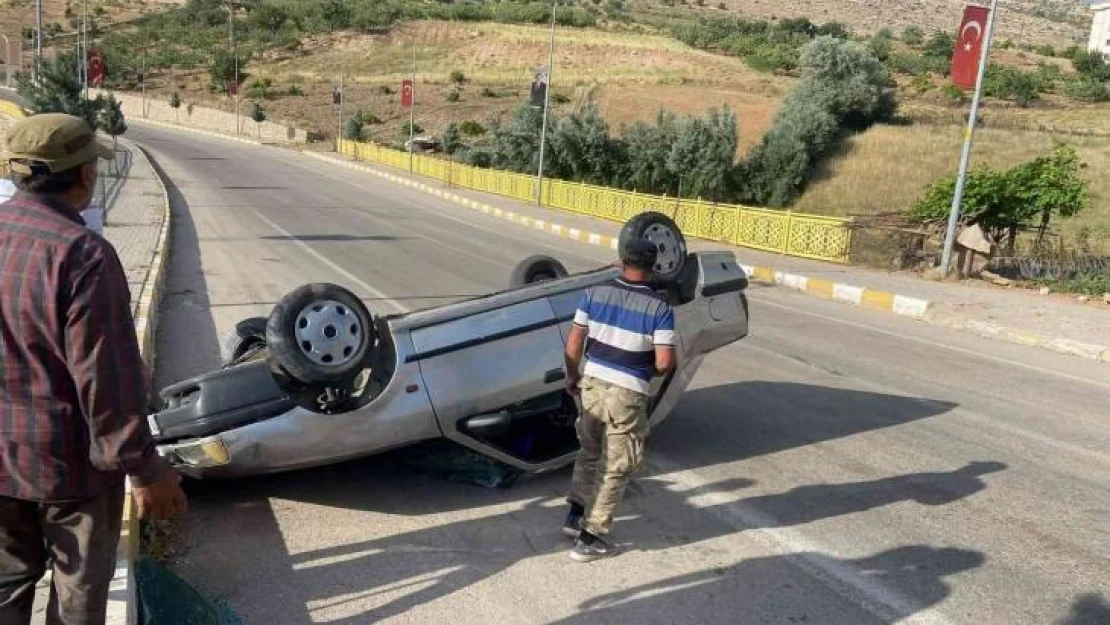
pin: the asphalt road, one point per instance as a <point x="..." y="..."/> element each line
<point x="838" y="466"/>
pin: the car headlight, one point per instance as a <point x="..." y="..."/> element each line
<point x="204" y="452"/>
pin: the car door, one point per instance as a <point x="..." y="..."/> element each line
<point x="490" y="360"/>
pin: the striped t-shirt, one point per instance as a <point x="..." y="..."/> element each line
<point x="625" y="322"/>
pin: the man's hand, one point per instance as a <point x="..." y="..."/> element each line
<point x="572" y="384"/>
<point x="162" y="499"/>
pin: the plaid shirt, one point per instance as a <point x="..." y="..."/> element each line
<point x="73" y="385"/>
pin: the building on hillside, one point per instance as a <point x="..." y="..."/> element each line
<point x="1100" y="27"/>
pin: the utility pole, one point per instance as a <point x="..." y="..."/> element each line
<point x="342" y="96"/>
<point x="83" y="38"/>
<point x="412" y="108"/>
<point x="38" y="39"/>
<point x="969" y="135"/>
<point x="235" y="56"/>
<point x="144" y="78"/>
<point x="546" y="106"/>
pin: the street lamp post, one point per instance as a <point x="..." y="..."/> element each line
<point x="546" y="106"/>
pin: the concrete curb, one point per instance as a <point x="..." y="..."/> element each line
<point x="146" y="317"/>
<point x="209" y="133"/>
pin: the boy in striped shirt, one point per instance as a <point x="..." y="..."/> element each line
<point x="625" y="330"/>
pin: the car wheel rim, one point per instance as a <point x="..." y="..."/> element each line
<point x="329" y="333"/>
<point x="670" y="252"/>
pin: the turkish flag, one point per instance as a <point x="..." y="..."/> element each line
<point x="969" y="46"/>
<point x="406" y="93"/>
<point x="95" y="68"/>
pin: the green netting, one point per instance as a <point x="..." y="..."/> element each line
<point x="457" y="464"/>
<point x="166" y="599"/>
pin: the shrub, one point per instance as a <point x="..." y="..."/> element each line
<point x="367" y="117"/>
<point x="472" y="128"/>
<point x="1087" y="90"/>
<point x="1001" y="202"/>
<point x="452" y="140"/>
<point x="1046" y="50"/>
<point x="452" y="95"/>
<point x="954" y="93"/>
<point x="913" y="36"/>
<point x="296" y="91"/>
<point x="488" y="92"/>
<point x="258" y="114"/>
<point x="1011" y="83"/>
<point x="416" y="130"/>
<point x="260" y="89"/>
<point x="458" y="77"/>
<point x="560" y="98"/>
<point x="352" y="130"/>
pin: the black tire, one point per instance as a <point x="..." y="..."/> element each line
<point x="319" y="334"/>
<point x="666" y="235"/>
<point x="537" y="268"/>
<point x="247" y="335"/>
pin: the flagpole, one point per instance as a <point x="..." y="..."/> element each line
<point x="84" y="39"/>
<point x="412" y="106"/>
<point x="546" y="106"/>
<point x="969" y="135"/>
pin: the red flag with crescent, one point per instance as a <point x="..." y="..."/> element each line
<point x="406" y="93"/>
<point x="95" y="68"/>
<point x="969" y="46"/>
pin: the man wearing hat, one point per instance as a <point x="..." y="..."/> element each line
<point x="73" y="386"/>
<point x="625" y="330"/>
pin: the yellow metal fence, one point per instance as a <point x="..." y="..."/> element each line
<point x="808" y="236"/>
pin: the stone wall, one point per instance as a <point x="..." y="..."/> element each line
<point x="210" y="119"/>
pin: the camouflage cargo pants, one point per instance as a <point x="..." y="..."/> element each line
<point x="611" y="432"/>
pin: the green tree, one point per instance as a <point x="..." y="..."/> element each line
<point x="704" y="154"/>
<point x="175" y="104"/>
<point x="847" y="80"/>
<point x="59" y="91"/>
<point x="269" y="16"/>
<point x="648" y="148"/>
<point x="580" y="145"/>
<point x="1002" y="202"/>
<point x="111" y="120"/>
<point x="221" y="69"/>
<point x="352" y="130"/>
<point x="777" y="169"/>
<point x="516" y="144"/>
<point x="258" y="114"/>
<point x="452" y="138"/>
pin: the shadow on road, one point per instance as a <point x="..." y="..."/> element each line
<point x="402" y="569"/>
<point x="1089" y="609"/>
<point x="748" y="592"/>
<point x="184" y="313"/>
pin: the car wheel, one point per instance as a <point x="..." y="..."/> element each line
<point x="320" y="334"/>
<point x="667" y="237"/>
<point x="537" y="268"/>
<point x="247" y="336"/>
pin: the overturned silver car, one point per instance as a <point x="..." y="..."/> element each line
<point x="322" y="381"/>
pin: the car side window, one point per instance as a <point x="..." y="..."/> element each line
<point x="564" y="304"/>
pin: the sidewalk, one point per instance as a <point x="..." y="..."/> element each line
<point x="136" y="226"/>
<point x="1056" y="322"/>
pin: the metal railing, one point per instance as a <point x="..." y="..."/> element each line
<point x="785" y="232"/>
